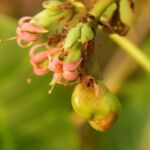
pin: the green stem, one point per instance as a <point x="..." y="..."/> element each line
<point x="132" y="50"/>
<point x="99" y="7"/>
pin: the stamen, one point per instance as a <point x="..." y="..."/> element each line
<point x="40" y="71"/>
<point x="23" y="20"/>
<point x="9" y="39"/>
<point x="23" y="45"/>
<point x="51" y="86"/>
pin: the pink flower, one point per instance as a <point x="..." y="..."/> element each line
<point x="37" y="59"/>
<point x="28" y="32"/>
<point x="63" y="70"/>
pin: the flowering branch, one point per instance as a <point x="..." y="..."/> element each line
<point x="69" y="52"/>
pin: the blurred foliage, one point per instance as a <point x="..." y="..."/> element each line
<point x="30" y="119"/>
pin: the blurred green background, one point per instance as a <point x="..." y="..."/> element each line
<point x="30" y="119"/>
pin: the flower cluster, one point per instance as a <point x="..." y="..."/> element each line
<point x="61" y="39"/>
<point x="28" y="32"/>
<point x="47" y="52"/>
<point x="59" y="36"/>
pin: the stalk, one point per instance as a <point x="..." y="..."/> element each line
<point x="132" y="50"/>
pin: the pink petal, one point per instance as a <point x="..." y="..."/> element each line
<point x="37" y="58"/>
<point x="40" y="71"/>
<point x="37" y="46"/>
<point x="71" y="66"/>
<point x="23" y="20"/>
<point x="54" y="64"/>
<point x="29" y="37"/>
<point x="32" y="28"/>
<point x="52" y="51"/>
<point x="34" y="48"/>
<point x="40" y="56"/>
<point x="58" y="77"/>
<point x="18" y="31"/>
<point x="70" y="75"/>
<point x="21" y="43"/>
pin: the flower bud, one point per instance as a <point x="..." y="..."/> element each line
<point x="52" y="5"/>
<point x="100" y="110"/>
<point x="73" y="36"/>
<point x="74" y="55"/>
<point x="86" y="33"/>
<point x="46" y="17"/>
<point x="126" y="12"/>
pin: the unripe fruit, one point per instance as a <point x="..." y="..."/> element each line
<point x="100" y="110"/>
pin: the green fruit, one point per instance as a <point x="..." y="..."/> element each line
<point x="73" y="36"/>
<point x="101" y="111"/>
<point x="86" y="33"/>
<point x="126" y="13"/>
<point x="106" y="112"/>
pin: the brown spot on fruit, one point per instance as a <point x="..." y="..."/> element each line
<point x="104" y="125"/>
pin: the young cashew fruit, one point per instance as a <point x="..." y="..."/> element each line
<point x="100" y="110"/>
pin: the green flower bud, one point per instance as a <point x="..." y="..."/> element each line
<point x="108" y="13"/>
<point x="100" y="110"/>
<point x="47" y="21"/>
<point x="46" y="17"/>
<point x="126" y="13"/>
<point x="73" y="36"/>
<point x="74" y="55"/>
<point x="86" y="33"/>
<point x="52" y="5"/>
<point x="79" y="6"/>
